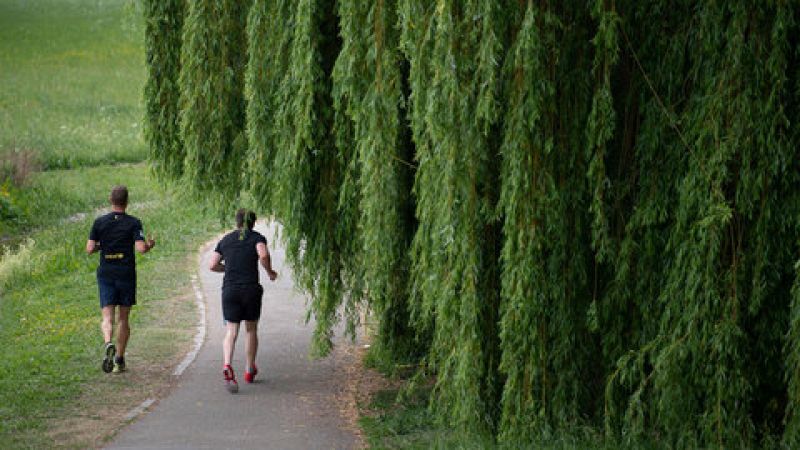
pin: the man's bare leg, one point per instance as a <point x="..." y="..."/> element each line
<point x="231" y="332"/>
<point x="251" y="344"/>
<point x="107" y="326"/>
<point x="123" y="331"/>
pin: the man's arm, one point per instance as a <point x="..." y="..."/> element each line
<point x="93" y="243"/>
<point x="266" y="260"/>
<point x="145" y="246"/>
<point x="92" y="246"/>
<point x="215" y="265"/>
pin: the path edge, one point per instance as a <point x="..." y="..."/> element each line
<point x="200" y="304"/>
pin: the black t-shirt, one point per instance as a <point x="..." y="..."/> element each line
<point x="238" y="250"/>
<point x="116" y="232"/>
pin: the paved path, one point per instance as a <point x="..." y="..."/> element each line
<point x="289" y="407"/>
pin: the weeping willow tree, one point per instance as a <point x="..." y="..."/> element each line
<point x="164" y="25"/>
<point x="576" y="215"/>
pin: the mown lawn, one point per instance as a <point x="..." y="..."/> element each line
<point x="71" y="73"/>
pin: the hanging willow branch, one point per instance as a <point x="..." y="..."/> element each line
<point x="308" y="172"/>
<point x="454" y="250"/>
<point x="369" y="105"/>
<point x="212" y="97"/>
<point x="269" y="36"/>
<point x="164" y="25"/>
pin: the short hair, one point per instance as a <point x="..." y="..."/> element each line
<point x="119" y="195"/>
<point x="243" y="217"/>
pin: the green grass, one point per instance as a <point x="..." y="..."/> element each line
<point x="406" y="424"/>
<point x="402" y="419"/>
<point x="58" y="194"/>
<point x="72" y="73"/>
<point x="49" y="313"/>
<point x="394" y="421"/>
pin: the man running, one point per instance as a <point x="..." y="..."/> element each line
<point x="237" y="255"/>
<point x="115" y="235"/>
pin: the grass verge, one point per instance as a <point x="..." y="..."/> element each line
<point x="68" y="195"/>
<point x="395" y="413"/>
<point x="400" y="419"/>
<point x="49" y="316"/>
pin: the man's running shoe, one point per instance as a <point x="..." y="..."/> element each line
<point x="119" y="364"/>
<point x="249" y="375"/>
<point x="108" y="360"/>
<point x="230" y="379"/>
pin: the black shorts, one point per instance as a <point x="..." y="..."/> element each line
<point x="116" y="292"/>
<point x="241" y="302"/>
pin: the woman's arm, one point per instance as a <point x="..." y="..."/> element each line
<point x="216" y="265"/>
<point x="266" y="260"/>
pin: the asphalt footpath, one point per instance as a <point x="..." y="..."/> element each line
<point x="290" y="406"/>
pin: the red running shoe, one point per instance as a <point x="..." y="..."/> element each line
<point x="230" y="379"/>
<point x="249" y="375"/>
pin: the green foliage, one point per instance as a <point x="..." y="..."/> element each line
<point x="212" y="114"/>
<point x="575" y="215"/>
<point x="164" y="25"/>
<point x="368" y="91"/>
<point x="600" y="123"/>
<point x="72" y="74"/>
<point x="712" y="244"/>
<point x="454" y="264"/>
<point x="308" y="172"/>
<point x="269" y="33"/>
<point x="546" y="350"/>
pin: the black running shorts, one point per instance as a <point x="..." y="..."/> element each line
<point x="241" y="302"/>
<point x="116" y="292"/>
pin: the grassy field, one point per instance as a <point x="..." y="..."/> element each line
<point x="72" y="73"/>
<point x="49" y="314"/>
